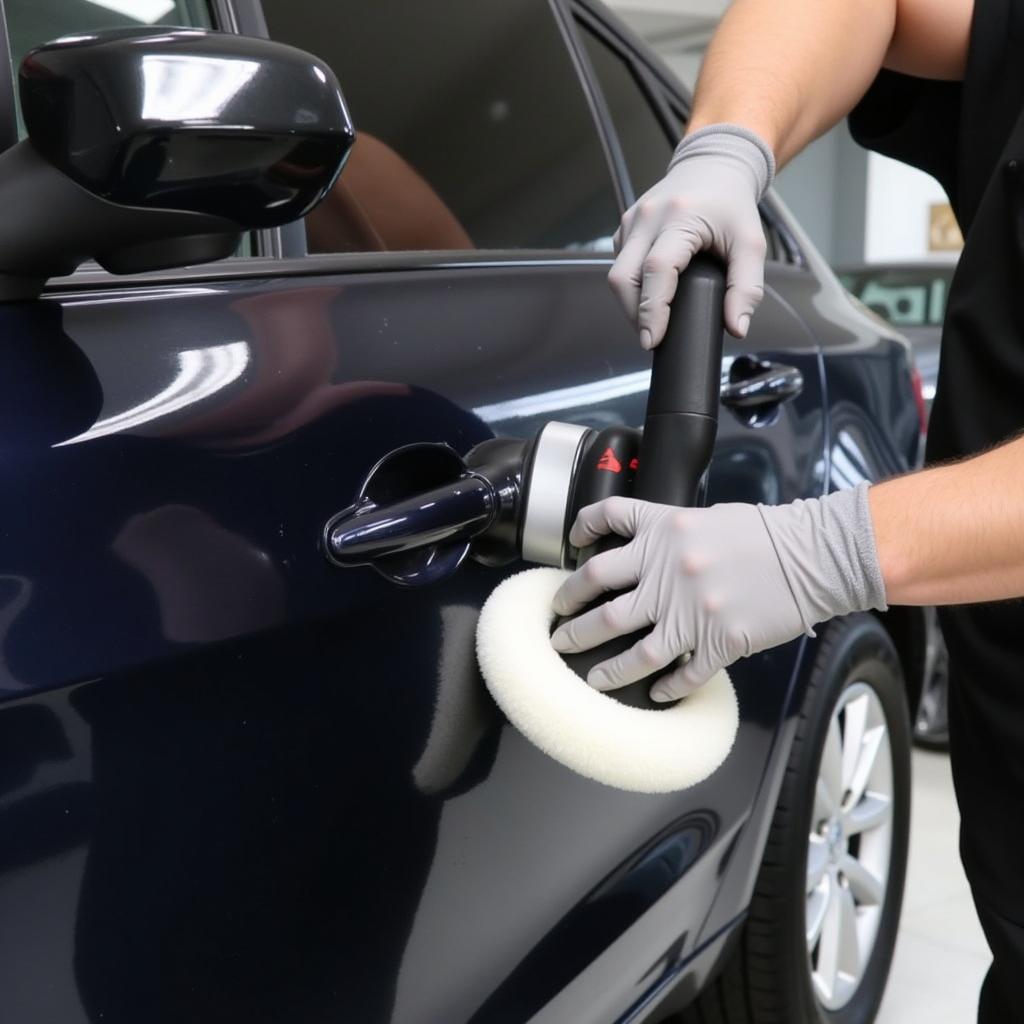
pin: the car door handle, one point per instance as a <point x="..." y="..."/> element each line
<point x="753" y="383"/>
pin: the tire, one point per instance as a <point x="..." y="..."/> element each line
<point x="771" y="977"/>
<point x="931" y="725"/>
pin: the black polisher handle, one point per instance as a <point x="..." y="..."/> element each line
<point x="682" y="405"/>
<point x="679" y="430"/>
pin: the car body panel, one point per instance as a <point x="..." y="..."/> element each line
<point x="912" y="297"/>
<point x="255" y="742"/>
<point x="240" y="783"/>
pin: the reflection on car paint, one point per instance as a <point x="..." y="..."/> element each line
<point x="179" y="88"/>
<point x="15" y="593"/>
<point x="565" y="400"/>
<point x="210" y="583"/>
<point x="202" y="372"/>
<point x="849" y="466"/>
<point x="463" y="710"/>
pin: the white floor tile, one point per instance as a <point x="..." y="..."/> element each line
<point x="941" y="956"/>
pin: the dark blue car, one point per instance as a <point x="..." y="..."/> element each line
<point x="240" y="784"/>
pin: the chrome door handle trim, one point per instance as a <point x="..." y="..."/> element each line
<point x="755" y="382"/>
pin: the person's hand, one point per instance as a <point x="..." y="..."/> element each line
<point x="719" y="583"/>
<point x="707" y="200"/>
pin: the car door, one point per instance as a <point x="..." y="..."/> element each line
<point x="240" y="783"/>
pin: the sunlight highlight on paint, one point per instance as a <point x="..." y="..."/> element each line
<point x="201" y="372"/>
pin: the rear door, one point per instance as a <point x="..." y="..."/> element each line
<point x="240" y="783"/>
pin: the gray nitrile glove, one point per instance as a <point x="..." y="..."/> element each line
<point x="707" y="200"/>
<point x="721" y="583"/>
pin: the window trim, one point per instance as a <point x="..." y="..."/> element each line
<point x="245" y="17"/>
<point x="562" y="13"/>
<point x="648" y="85"/>
<point x="244" y="268"/>
<point x="8" y="93"/>
<point x="616" y="158"/>
<point x="223" y="15"/>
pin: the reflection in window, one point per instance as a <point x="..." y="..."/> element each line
<point x="202" y="372"/>
<point x="473" y="129"/>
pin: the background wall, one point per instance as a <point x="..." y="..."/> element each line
<point x="898" y="212"/>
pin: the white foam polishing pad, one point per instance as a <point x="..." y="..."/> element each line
<point x="636" y="749"/>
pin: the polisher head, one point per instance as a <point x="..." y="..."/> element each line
<point x="625" y="747"/>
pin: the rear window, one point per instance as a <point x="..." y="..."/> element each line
<point x="473" y="128"/>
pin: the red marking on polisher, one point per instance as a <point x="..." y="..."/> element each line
<point x="609" y="462"/>
<point x="634" y="463"/>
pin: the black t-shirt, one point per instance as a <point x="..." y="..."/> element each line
<point x="970" y="135"/>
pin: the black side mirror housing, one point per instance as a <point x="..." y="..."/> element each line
<point x="152" y="150"/>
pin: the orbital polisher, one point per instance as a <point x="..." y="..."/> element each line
<point x="512" y="498"/>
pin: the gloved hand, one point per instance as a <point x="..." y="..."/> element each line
<point x="707" y="200"/>
<point x="721" y="582"/>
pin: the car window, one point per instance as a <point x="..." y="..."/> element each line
<point x="905" y="297"/>
<point x="646" y="145"/>
<point x="473" y="130"/>
<point x="33" y="22"/>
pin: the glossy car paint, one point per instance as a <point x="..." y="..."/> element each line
<point x="303" y="756"/>
<point x="241" y="784"/>
<point x="912" y="296"/>
<point x="260" y="144"/>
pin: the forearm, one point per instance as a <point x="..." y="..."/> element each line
<point x="790" y="69"/>
<point x="953" y="534"/>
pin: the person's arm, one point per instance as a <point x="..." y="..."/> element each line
<point x="953" y="534"/>
<point x="727" y="581"/>
<point x="791" y="69"/>
<point x="772" y="67"/>
<point x="778" y="73"/>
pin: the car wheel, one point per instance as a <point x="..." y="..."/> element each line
<point x="818" y="941"/>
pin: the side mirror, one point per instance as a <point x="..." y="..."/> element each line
<point x="152" y="150"/>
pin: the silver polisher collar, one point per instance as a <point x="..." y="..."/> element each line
<point x="555" y="458"/>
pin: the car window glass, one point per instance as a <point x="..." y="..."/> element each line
<point x="473" y="130"/>
<point x="906" y="298"/>
<point x="33" y="22"/>
<point x="645" y="142"/>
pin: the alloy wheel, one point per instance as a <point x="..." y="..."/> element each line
<point x="849" y="846"/>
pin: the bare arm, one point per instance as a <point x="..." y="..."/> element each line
<point x="790" y="69"/>
<point x="953" y="534"/>
<point x="778" y="73"/>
